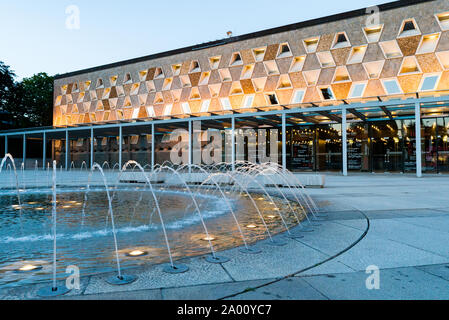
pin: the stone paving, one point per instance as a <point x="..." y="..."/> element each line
<point x="396" y="222"/>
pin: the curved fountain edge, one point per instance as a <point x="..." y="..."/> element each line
<point x="316" y="265"/>
<point x="274" y="258"/>
<point x="14" y="293"/>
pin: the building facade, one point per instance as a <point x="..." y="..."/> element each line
<point x="350" y="92"/>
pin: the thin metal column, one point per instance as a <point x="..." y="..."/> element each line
<point x="233" y="144"/>
<point x="6" y="145"/>
<point x="24" y="151"/>
<point x="152" y="147"/>
<point x="91" y="147"/>
<point x="190" y="146"/>
<point x="418" y="140"/>
<point x="67" y="150"/>
<point x="120" y="143"/>
<point x="44" y="149"/>
<point x="284" y="140"/>
<point x="344" y="142"/>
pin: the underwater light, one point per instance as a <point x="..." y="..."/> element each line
<point x="66" y="207"/>
<point x="39" y="209"/>
<point x="32" y="203"/>
<point x="210" y="238"/>
<point x="261" y="199"/>
<point x="137" y="253"/>
<point x="271" y="216"/>
<point x="251" y="226"/>
<point x="29" y="267"/>
<point x="16" y="207"/>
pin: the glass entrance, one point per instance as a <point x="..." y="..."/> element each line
<point x="301" y="144"/>
<point x="429" y="146"/>
<point x="358" y="147"/>
<point x="435" y="148"/>
<point x="443" y="146"/>
<point x="387" y="147"/>
<point x="328" y="148"/>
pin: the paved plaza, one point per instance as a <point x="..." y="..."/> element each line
<point x="397" y="223"/>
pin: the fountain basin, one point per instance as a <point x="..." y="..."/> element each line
<point x="84" y="234"/>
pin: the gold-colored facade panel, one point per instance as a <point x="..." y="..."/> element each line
<point x="269" y="69"/>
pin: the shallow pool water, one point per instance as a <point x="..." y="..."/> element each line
<point x="84" y="233"/>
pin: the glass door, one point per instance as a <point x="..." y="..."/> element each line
<point x="409" y="130"/>
<point x="429" y="145"/>
<point x="387" y="148"/>
<point x="329" y="155"/>
<point x="358" y="147"/>
<point x="302" y="142"/>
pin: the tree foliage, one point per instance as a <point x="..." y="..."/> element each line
<point x="28" y="103"/>
<point x="7" y="85"/>
<point x="37" y="99"/>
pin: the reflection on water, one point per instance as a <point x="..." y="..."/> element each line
<point x="85" y="237"/>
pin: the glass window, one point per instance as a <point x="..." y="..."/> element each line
<point x="226" y="104"/>
<point x="391" y="49"/>
<point x="373" y="33"/>
<point x="429" y="83"/>
<point x="409" y="28"/>
<point x="341" y="41"/>
<point x="327" y="93"/>
<point x="443" y="19"/>
<point x="428" y="43"/>
<point x="185" y="107"/>
<point x="248" y="101"/>
<point x="311" y="44"/>
<point x="357" y="90"/>
<point x="272" y="99"/>
<point x="298" y="96"/>
<point x="392" y="86"/>
<point x="205" y="106"/>
<point x="167" y="110"/>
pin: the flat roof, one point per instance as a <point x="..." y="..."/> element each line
<point x="216" y="43"/>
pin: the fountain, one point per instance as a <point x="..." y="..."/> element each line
<point x="5" y="158"/>
<point x="54" y="290"/>
<point x="156" y="215"/>
<point x="172" y="268"/>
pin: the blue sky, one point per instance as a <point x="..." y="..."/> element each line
<point x="34" y="37"/>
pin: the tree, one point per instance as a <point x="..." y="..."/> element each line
<point x="28" y="103"/>
<point x="37" y="100"/>
<point x="7" y="85"/>
<point x="7" y="95"/>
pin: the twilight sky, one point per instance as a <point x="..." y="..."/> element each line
<point x="35" y="37"/>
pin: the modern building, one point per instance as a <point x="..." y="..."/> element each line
<point x="352" y="92"/>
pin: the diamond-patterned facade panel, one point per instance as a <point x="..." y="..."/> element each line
<point x="271" y="53"/>
<point x="325" y="42"/>
<point x="341" y="55"/>
<point x="429" y="63"/>
<point x="409" y="45"/>
<point x="276" y="64"/>
<point x="391" y="68"/>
